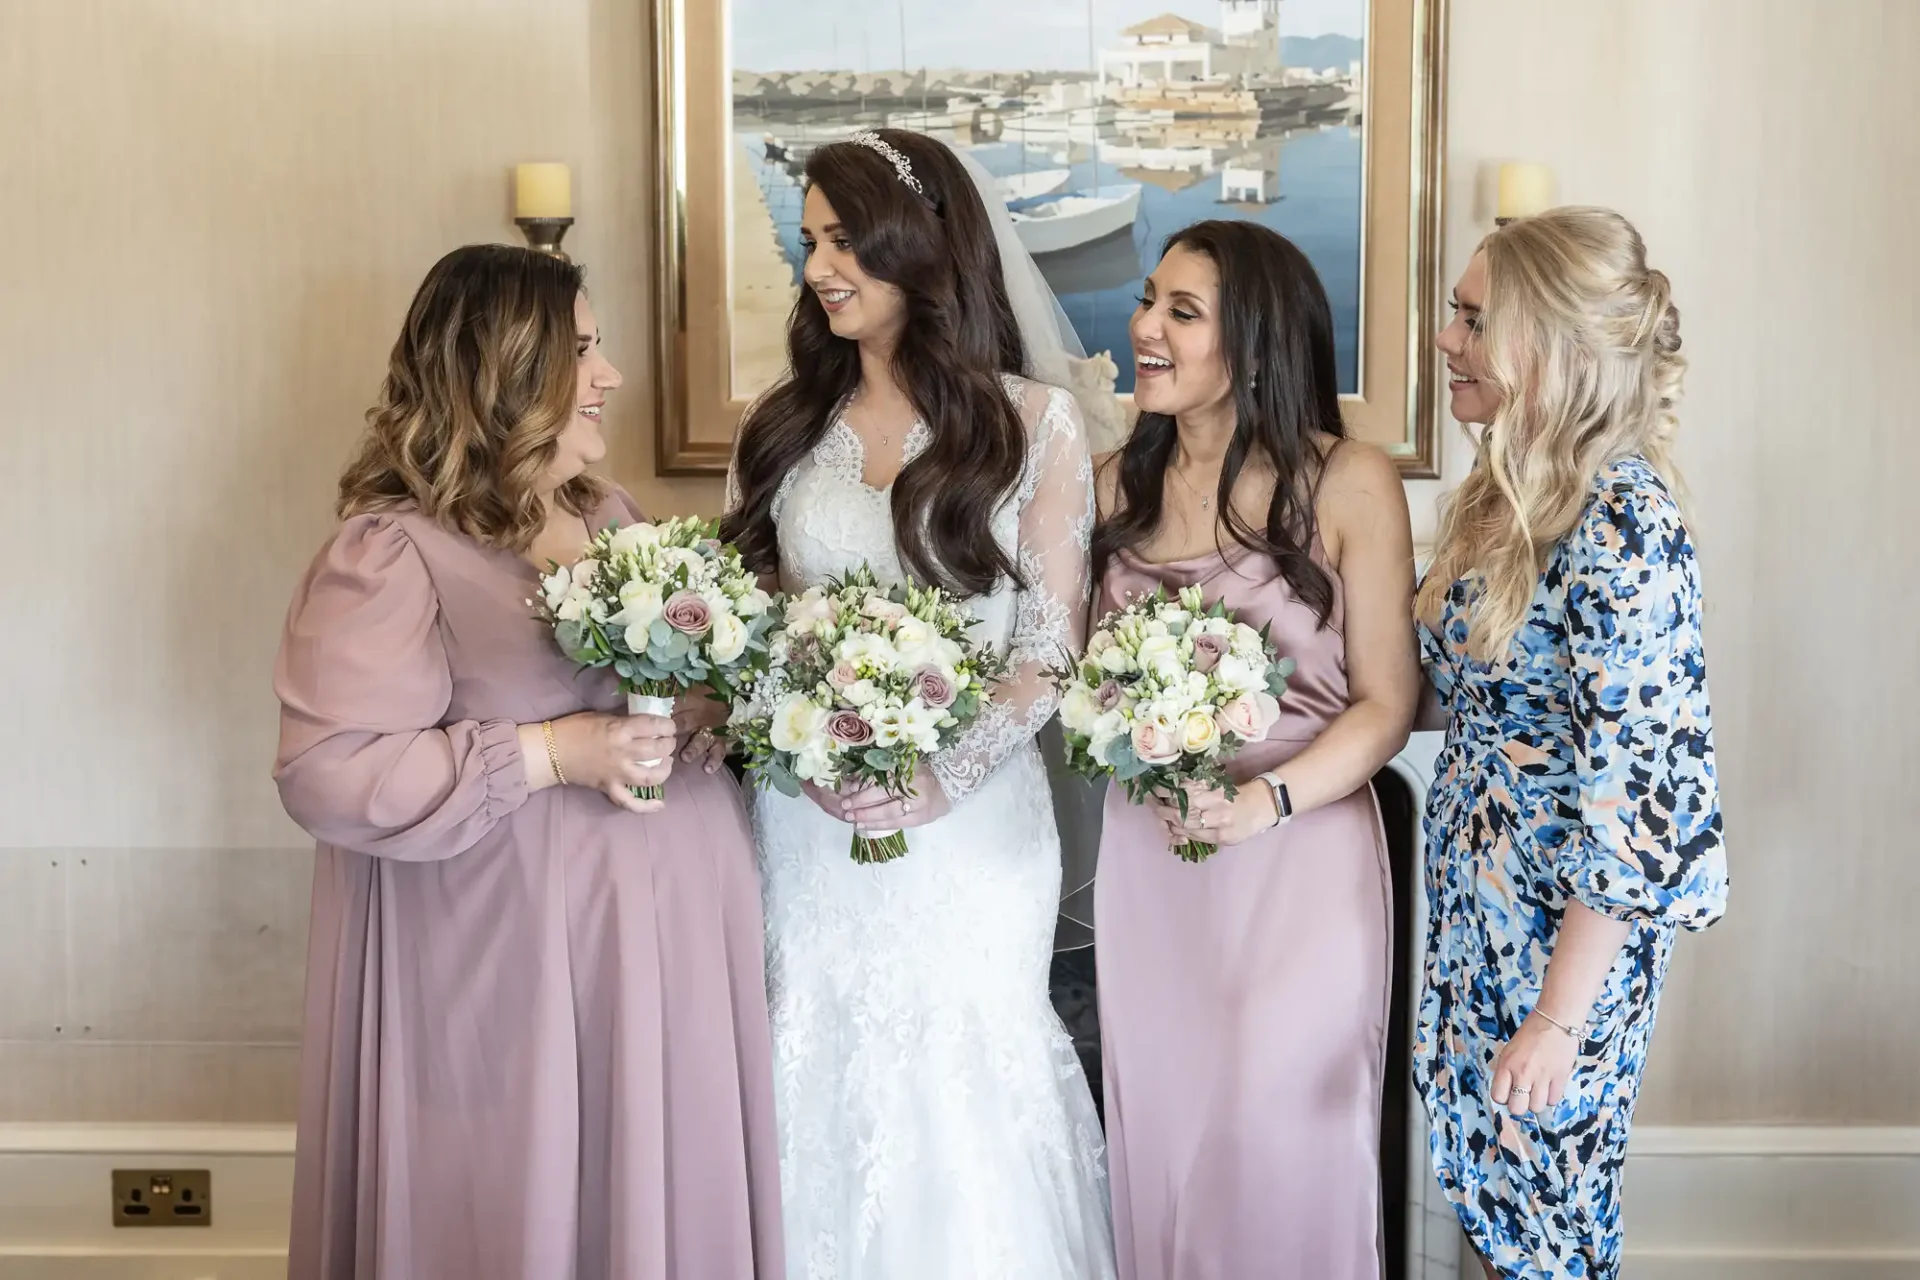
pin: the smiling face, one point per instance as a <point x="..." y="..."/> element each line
<point x="859" y="308"/>
<point x="1179" y="359"/>
<point x="582" y="444"/>
<point x="1473" y="398"/>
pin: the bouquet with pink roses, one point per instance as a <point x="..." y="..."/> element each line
<point x="1167" y="690"/>
<point x="866" y="681"/>
<point x="668" y="606"/>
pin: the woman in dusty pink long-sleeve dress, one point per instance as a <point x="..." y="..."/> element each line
<point x="536" y="1033"/>
<point x="1243" y="1001"/>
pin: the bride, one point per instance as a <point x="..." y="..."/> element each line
<point x="934" y="1121"/>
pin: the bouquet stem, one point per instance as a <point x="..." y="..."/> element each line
<point x="879" y="846"/>
<point x="650" y="700"/>
<point x="1195" y="850"/>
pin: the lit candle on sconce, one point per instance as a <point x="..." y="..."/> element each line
<point x="1525" y="189"/>
<point x="543" y="205"/>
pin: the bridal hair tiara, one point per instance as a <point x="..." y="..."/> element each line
<point x="901" y="165"/>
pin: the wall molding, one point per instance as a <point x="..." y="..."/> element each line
<point x="1704" y="1202"/>
<point x="1773" y="1202"/>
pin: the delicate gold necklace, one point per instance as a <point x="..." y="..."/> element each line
<point x="847" y="412"/>
<point x="1206" y="499"/>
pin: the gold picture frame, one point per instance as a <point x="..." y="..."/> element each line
<point x="1395" y="405"/>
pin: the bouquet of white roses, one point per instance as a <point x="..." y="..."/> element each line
<point x="1167" y="690"/>
<point x="866" y="681"/>
<point x="667" y="606"/>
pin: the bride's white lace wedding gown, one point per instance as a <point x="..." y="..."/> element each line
<point x="934" y="1121"/>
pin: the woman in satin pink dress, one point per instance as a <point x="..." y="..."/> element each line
<point x="1243" y="1001"/>
<point x="536" y="1036"/>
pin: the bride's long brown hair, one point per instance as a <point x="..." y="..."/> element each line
<point x="960" y="336"/>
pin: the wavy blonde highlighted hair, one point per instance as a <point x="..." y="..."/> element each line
<point x="479" y="387"/>
<point x="1582" y="342"/>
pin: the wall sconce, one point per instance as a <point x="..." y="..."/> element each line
<point x="1525" y="189"/>
<point x="543" y="205"/>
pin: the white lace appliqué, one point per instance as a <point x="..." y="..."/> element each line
<point x="934" y="1120"/>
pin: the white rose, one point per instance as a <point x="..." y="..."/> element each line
<point x="1154" y="627"/>
<point x="1160" y="654"/>
<point x="685" y="558"/>
<point x="1079" y="709"/>
<point x="1099" y="644"/>
<point x="1239" y="675"/>
<point x="727" y="640"/>
<point x="640" y="605"/>
<point x="1116" y="661"/>
<point x="1246" y="641"/>
<point x="575" y="606"/>
<point x="1175" y="620"/>
<point x="752" y="603"/>
<point x="1198" y="733"/>
<point x="862" y="692"/>
<point x="797" y="721"/>
<point x="631" y="538"/>
<point x="914" y="640"/>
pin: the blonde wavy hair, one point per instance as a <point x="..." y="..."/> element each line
<point x="1582" y="342"/>
<point x="479" y="387"/>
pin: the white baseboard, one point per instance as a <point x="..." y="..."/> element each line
<point x="56" y="1220"/>
<point x="1773" y="1203"/>
<point x="1703" y="1203"/>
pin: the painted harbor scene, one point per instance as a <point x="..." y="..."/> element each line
<point x="1108" y="123"/>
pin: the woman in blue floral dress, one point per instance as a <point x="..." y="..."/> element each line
<point x="1574" y="827"/>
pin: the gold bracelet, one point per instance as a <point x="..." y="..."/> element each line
<point x="1552" y="1021"/>
<point x="553" y="752"/>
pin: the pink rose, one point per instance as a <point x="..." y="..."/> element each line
<point x="686" y="612"/>
<point x="842" y="675"/>
<point x="932" y="687"/>
<point x="1208" y="649"/>
<point x="883" y="609"/>
<point x="1108" y="694"/>
<point x="849" y="730"/>
<point x="1249" y="717"/>
<point x="1240" y="719"/>
<point x="1155" y="743"/>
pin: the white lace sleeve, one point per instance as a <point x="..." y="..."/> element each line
<point x="1056" y="527"/>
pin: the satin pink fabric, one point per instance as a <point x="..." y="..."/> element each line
<point x="1243" y="1001"/>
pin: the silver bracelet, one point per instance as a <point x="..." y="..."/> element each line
<point x="1552" y="1021"/>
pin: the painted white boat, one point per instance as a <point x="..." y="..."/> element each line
<point x="1033" y="184"/>
<point x="1076" y="219"/>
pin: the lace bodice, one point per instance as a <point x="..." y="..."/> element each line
<point x="830" y="520"/>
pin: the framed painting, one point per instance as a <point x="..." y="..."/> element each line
<point x="1110" y="124"/>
